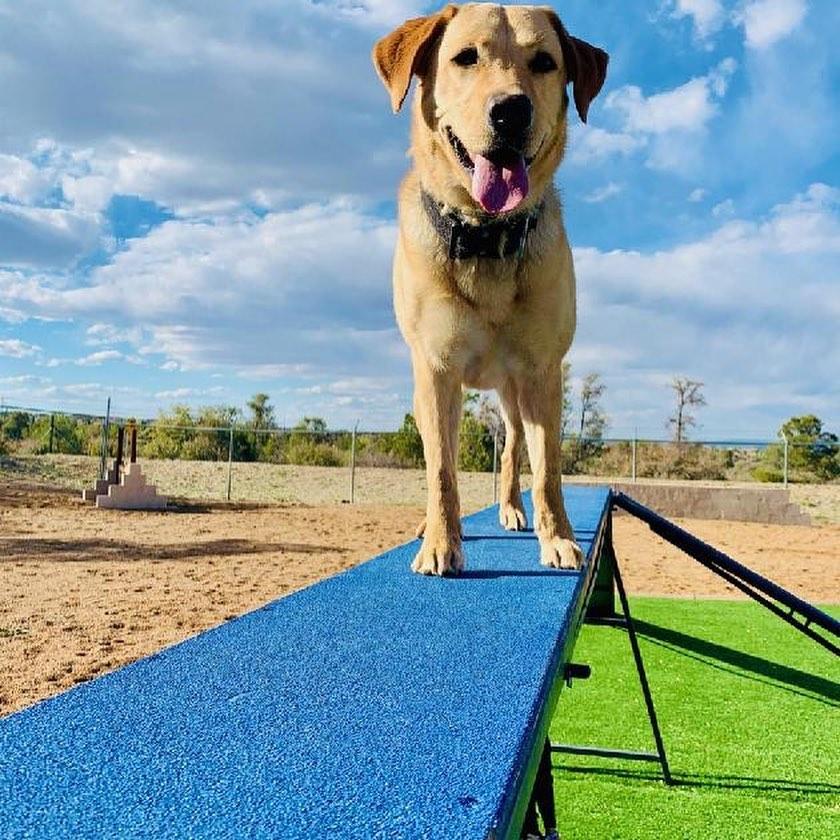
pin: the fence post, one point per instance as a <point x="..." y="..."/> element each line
<point x="230" y="463"/>
<point x="495" y="466"/>
<point x="52" y="431"/>
<point x="353" y="464"/>
<point x="103" y="449"/>
<point x="785" y="468"/>
<point x="633" y="468"/>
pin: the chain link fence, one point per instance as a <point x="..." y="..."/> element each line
<point x="240" y="454"/>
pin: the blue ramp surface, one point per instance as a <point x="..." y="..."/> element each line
<point x="376" y="704"/>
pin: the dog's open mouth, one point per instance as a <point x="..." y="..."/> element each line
<point x="499" y="178"/>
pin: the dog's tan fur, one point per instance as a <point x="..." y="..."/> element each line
<point x="483" y="323"/>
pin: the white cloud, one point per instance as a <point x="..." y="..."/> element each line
<point x="673" y="124"/>
<point x="688" y="107"/>
<point x="707" y="15"/>
<point x="767" y="21"/>
<point x="603" y="193"/>
<point x="697" y="195"/>
<point x="98" y="335"/>
<point x="21" y="180"/>
<point x="99" y="358"/>
<point x="44" y="236"/>
<point x="377" y="13"/>
<point x="302" y="288"/>
<point x="724" y="209"/>
<point x="9" y="315"/>
<point x="178" y="394"/>
<point x="205" y="107"/>
<point x="591" y="144"/>
<point x="14" y="348"/>
<point x="88" y="193"/>
<point x="751" y="308"/>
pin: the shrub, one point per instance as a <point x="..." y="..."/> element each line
<point x="406" y="444"/>
<point x="475" y="447"/>
<point x="304" y="451"/>
<point x="813" y="453"/>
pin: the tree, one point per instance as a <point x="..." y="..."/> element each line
<point x="689" y="395"/>
<point x="262" y="412"/>
<point x="593" y="421"/>
<point x="16" y="425"/>
<point x="315" y="428"/>
<point x="475" y="444"/>
<point x="406" y="443"/>
<point x="262" y="419"/>
<point x="566" y="390"/>
<point x="66" y="435"/>
<point x="813" y="452"/>
<point x="587" y="440"/>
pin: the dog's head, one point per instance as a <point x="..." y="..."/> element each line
<point x="490" y="122"/>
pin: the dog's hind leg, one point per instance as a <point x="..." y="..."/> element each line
<point x="511" y="511"/>
<point x="540" y="402"/>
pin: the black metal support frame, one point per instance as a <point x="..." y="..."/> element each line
<point x="601" y="616"/>
<point x="542" y="800"/>
<point x="787" y="606"/>
<point x="600" y="610"/>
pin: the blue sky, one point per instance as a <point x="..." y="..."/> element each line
<point x="196" y="203"/>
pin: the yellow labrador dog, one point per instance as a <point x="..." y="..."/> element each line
<point x="484" y="286"/>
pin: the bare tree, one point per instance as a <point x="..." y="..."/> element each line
<point x="689" y="395"/>
<point x="490" y="416"/>
<point x="593" y="421"/>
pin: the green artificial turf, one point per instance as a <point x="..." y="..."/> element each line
<point x="750" y="715"/>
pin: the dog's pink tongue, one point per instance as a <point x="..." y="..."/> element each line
<point x="498" y="189"/>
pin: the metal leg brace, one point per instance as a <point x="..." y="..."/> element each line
<point x="542" y="801"/>
<point x="625" y="620"/>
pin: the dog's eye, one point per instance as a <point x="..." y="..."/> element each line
<point x="542" y="62"/>
<point x="467" y="57"/>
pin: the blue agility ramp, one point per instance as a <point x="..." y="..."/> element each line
<point x="376" y="704"/>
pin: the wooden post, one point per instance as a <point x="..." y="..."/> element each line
<point x="52" y="431"/>
<point x="133" y="443"/>
<point x="120" y="450"/>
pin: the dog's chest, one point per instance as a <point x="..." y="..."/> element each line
<point x="491" y="287"/>
<point x="497" y="339"/>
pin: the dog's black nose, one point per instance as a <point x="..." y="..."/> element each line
<point x="511" y="116"/>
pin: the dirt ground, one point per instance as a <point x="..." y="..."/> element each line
<point x="83" y="591"/>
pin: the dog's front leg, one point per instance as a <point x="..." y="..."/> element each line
<point x="437" y="408"/>
<point x="540" y="405"/>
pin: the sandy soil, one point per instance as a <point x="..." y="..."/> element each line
<point x="83" y="591"/>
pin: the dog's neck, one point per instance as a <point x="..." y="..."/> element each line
<point x="485" y="237"/>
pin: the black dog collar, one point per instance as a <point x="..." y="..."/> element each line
<point x="494" y="240"/>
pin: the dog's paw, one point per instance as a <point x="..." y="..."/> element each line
<point x="512" y="518"/>
<point x="438" y="557"/>
<point x="421" y="529"/>
<point x="558" y="553"/>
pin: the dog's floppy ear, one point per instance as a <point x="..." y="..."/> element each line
<point x="405" y="52"/>
<point x="586" y="66"/>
